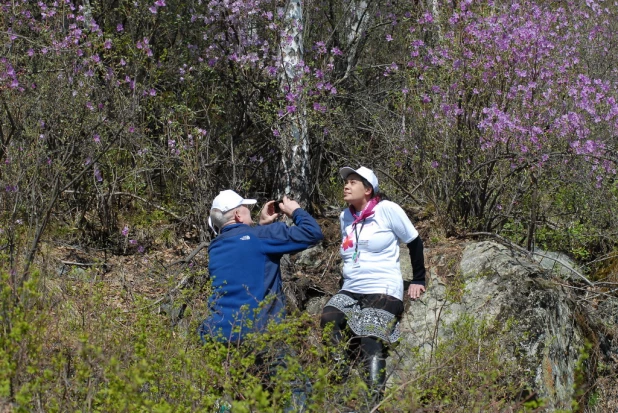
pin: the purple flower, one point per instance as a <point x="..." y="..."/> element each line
<point x="96" y="138"/>
<point x="119" y="27"/>
<point x="125" y="231"/>
<point x="97" y="174"/>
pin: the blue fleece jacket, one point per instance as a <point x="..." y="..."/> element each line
<point x="244" y="265"/>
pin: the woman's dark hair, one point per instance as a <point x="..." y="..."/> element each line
<point x="367" y="185"/>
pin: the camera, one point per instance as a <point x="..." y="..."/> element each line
<point x="276" y="206"/>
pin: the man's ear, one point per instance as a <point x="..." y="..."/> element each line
<point x="237" y="216"/>
<point x="368" y="191"/>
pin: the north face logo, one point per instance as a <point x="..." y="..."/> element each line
<point x="245" y="237"/>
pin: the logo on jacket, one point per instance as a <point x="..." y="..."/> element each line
<point x="245" y="237"/>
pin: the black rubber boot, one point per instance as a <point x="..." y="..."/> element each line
<point x="375" y="366"/>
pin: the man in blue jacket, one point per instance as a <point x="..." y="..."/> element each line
<point x="244" y="263"/>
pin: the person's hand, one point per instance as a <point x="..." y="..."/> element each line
<point x="268" y="214"/>
<point x="415" y="291"/>
<point x="288" y="206"/>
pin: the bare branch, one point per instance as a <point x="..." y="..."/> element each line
<point x="396" y="182"/>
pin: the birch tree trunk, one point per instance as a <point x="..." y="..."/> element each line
<point x="355" y="33"/>
<point x="294" y="137"/>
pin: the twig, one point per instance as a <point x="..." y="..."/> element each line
<point x="595" y="292"/>
<point x="408" y="382"/>
<point x="193" y="253"/>
<point x="327" y="266"/>
<point x="159" y="207"/>
<point x="396" y="182"/>
<point x="564" y="264"/>
<point x="186" y="278"/>
<point x="81" y="264"/>
<point x="500" y="238"/>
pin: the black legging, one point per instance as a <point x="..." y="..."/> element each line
<point x="369" y="346"/>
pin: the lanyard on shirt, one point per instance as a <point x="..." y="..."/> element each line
<point x="356" y="254"/>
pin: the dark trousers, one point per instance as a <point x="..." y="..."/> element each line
<point x="372" y="350"/>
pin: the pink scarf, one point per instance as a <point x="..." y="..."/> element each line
<point x="365" y="213"/>
<point x="348" y="242"/>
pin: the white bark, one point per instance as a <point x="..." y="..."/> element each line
<point x="434" y="6"/>
<point x="357" y="22"/>
<point x="293" y="127"/>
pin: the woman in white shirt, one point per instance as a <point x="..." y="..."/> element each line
<point x="370" y="302"/>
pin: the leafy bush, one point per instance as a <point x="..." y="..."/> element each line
<point x="87" y="353"/>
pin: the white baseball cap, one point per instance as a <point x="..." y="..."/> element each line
<point x="228" y="200"/>
<point x="364" y="172"/>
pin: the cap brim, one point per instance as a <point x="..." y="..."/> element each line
<point x="345" y="171"/>
<point x="249" y="201"/>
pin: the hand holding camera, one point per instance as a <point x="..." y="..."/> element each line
<point x="287" y="206"/>
<point x="273" y="209"/>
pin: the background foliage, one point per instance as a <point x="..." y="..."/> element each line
<point x="121" y="120"/>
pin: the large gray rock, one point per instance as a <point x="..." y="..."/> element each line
<point x="491" y="282"/>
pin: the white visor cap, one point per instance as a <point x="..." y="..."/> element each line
<point x="228" y="200"/>
<point x="364" y="172"/>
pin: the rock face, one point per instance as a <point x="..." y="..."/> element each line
<point x="490" y="282"/>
